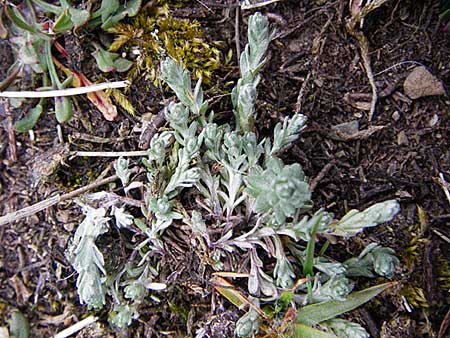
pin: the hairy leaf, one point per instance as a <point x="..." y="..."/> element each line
<point x="87" y="260"/>
<point x="179" y="80"/>
<point x="287" y="133"/>
<point x="279" y="189"/>
<point x="346" y="329"/>
<point x="355" y="221"/>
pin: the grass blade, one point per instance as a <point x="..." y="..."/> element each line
<point x="316" y="313"/>
<point x="304" y="331"/>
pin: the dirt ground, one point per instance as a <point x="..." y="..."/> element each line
<point x="314" y="66"/>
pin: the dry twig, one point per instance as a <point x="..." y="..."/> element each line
<point x="65" y="92"/>
<point x="260" y="4"/>
<point x="444" y="186"/>
<point x="110" y="153"/>
<point x="32" y="209"/>
<point x="11" y="133"/>
<point x="236" y="30"/>
<point x="358" y="12"/>
<point x="76" y="327"/>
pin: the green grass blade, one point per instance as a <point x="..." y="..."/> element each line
<point x="316" y="313"/>
<point x="309" y="263"/>
<point x="304" y="331"/>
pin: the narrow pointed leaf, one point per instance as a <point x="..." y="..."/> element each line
<point x="304" y="331"/>
<point x="30" y="120"/>
<point x="63" y="23"/>
<point x="49" y="7"/>
<point x="316" y="313"/>
<point x="21" y="23"/>
<point x="227" y="290"/>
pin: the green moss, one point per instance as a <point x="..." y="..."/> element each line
<point x="154" y="34"/>
<point x="417" y="240"/>
<point x="68" y="181"/>
<point x="443" y="273"/>
<point x="415" y="297"/>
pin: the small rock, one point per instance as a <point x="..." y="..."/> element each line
<point x="341" y="131"/>
<point x="434" y="120"/>
<point x="402" y="139"/>
<point x="420" y="82"/>
<point x="396" y="116"/>
<point x="318" y="82"/>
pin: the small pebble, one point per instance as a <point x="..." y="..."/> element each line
<point x="434" y="120"/>
<point x="420" y="82"/>
<point x="396" y="116"/>
<point x="402" y="139"/>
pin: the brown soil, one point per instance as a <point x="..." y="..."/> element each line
<point x="313" y="65"/>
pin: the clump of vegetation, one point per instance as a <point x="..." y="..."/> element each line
<point x="252" y="207"/>
<point x="151" y="35"/>
<point x="154" y="34"/>
<point x="34" y="29"/>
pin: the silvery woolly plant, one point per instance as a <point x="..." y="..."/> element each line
<point x="257" y="206"/>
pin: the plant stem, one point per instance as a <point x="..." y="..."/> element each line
<point x="324" y="248"/>
<point x="309" y="262"/>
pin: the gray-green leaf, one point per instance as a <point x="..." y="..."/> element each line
<point x="29" y="121"/>
<point x="86" y="258"/>
<point x="355" y="221"/>
<point x="287" y="133"/>
<point x="19" y="327"/>
<point x="122" y="171"/>
<point x="280" y="189"/>
<point x="110" y="62"/>
<point x="249" y="323"/>
<point x="346" y="329"/>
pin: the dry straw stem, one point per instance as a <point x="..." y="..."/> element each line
<point x="65" y="92"/>
<point x="136" y="153"/>
<point x="444" y="186"/>
<point x="32" y="209"/>
<point x="76" y="327"/>
<point x="358" y="12"/>
<point x="260" y="4"/>
<point x="440" y="234"/>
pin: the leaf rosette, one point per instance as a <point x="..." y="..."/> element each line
<point x="280" y="190"/>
